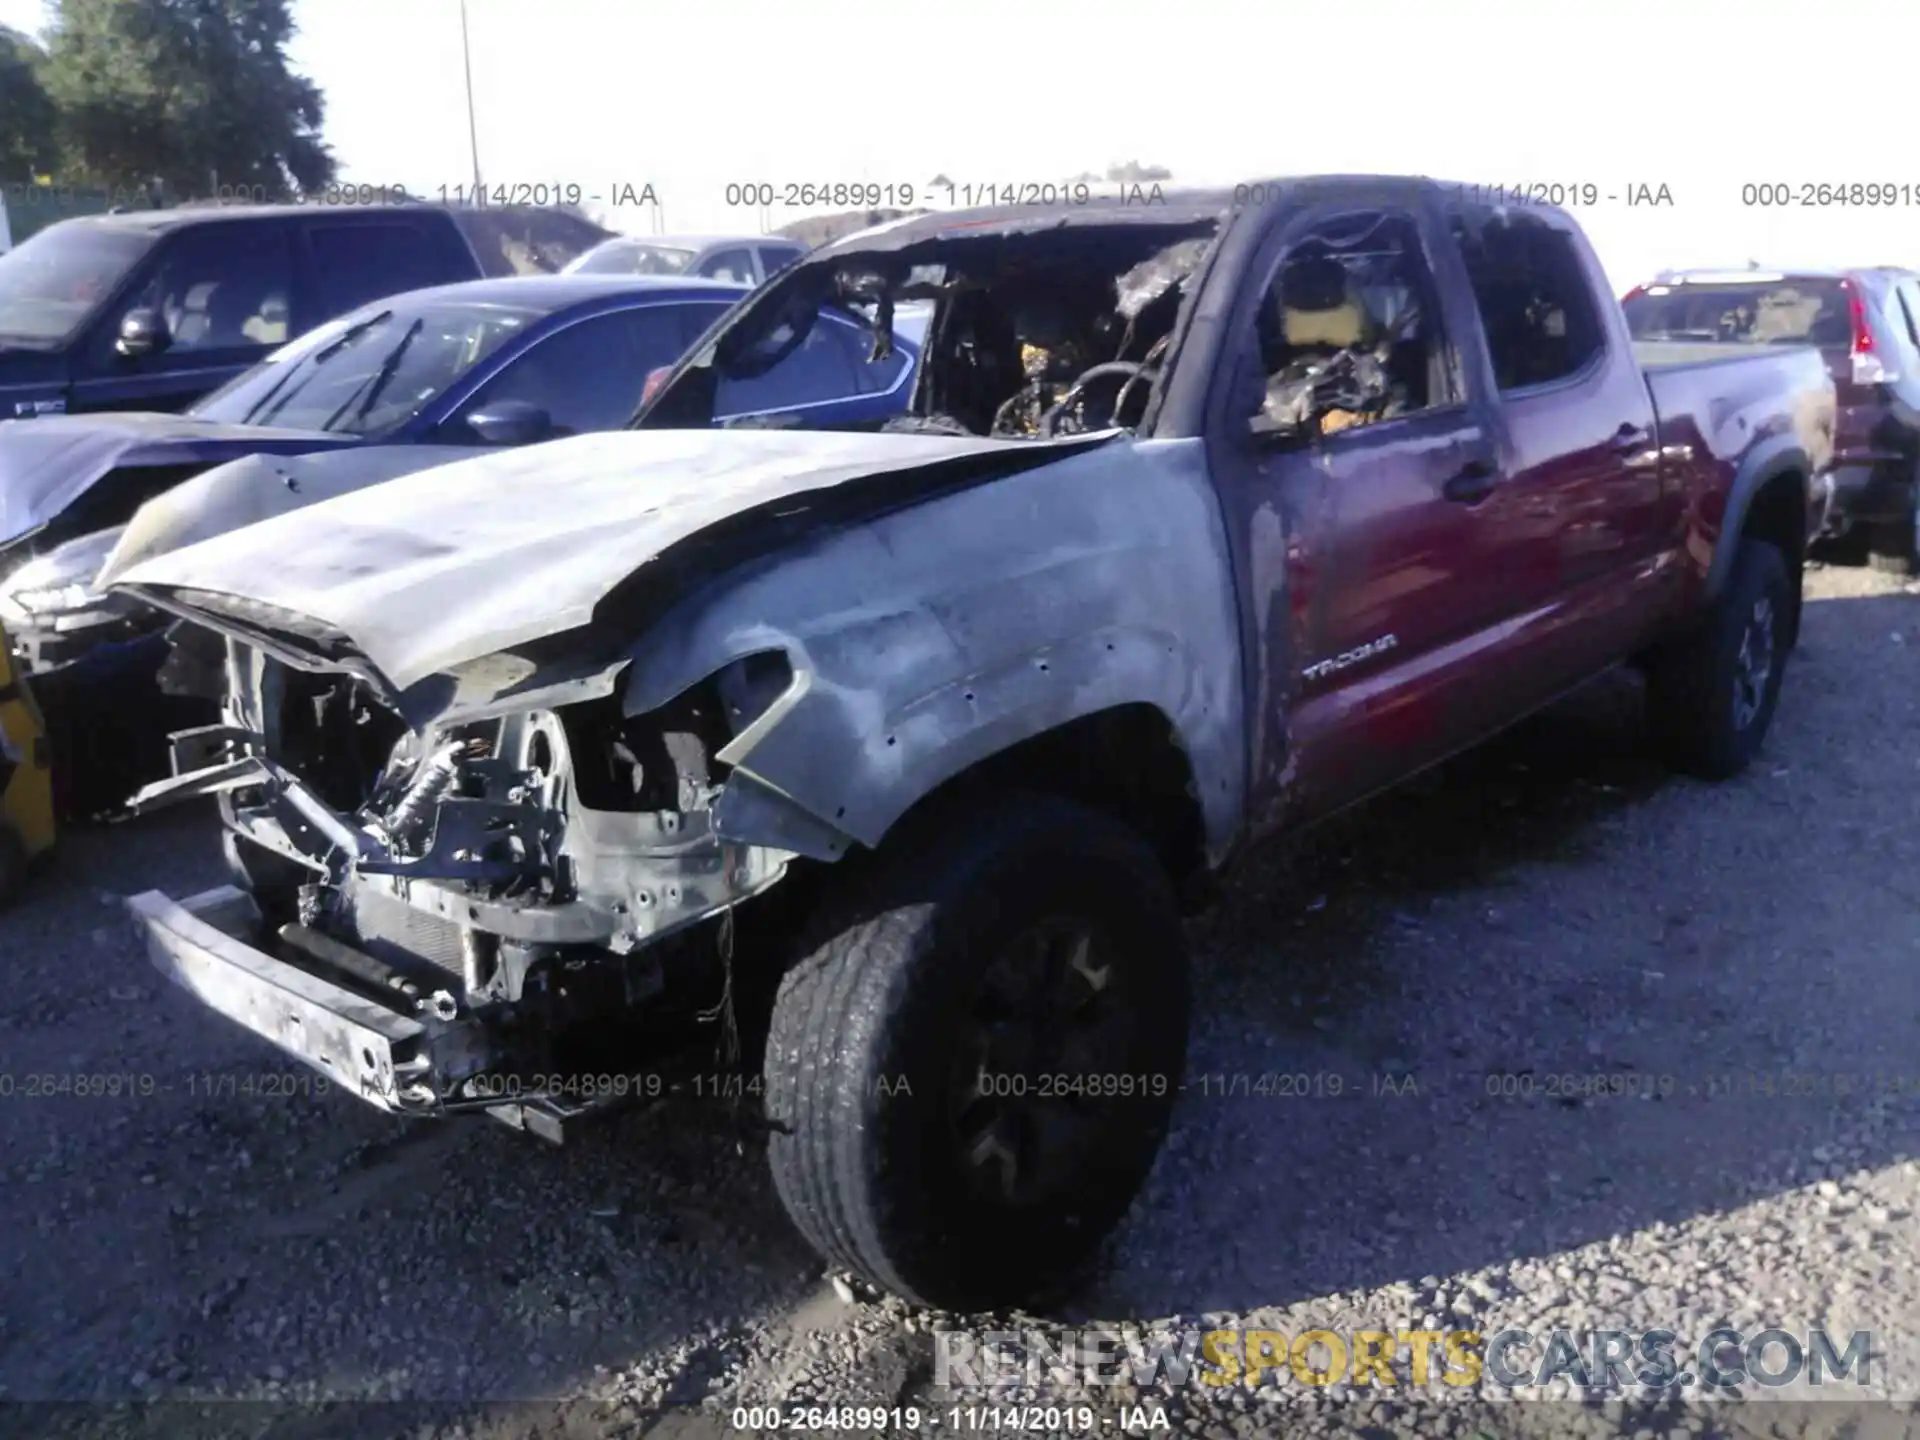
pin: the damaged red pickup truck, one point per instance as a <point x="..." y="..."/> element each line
<point x="895" y="750"/>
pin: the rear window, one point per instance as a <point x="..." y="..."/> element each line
<point x="622" y="257"/>
<point x="360" y="261"/>
<point x="1772" y="312"/>
<point x="526" y="239"/>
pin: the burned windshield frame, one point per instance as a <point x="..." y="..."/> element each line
<point x="794" y="299"/>
<point x="1153" y="270"/>
<point x="748" y="352"/>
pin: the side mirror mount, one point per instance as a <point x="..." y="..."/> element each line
<point x="1267" y="430"/>
<point x="1310" y="405"/>
<point x="1251" y="414"/>
<point x="142" y="332"/>
<point x="510" y="422"/>
<point x="688" y="405"/>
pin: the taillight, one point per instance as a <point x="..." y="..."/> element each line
<point x="655" y="379"/>
<point x="1868" y="366"/>
<point x="1634" y="294"/>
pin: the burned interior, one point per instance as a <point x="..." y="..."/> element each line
<point x="1037" y="331"/>
<point x="1348" y="329"/>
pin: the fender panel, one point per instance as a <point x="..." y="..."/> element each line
<point x="1779" y="455"/>
<point x="925" y="640"/>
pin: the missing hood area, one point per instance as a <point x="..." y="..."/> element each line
<point x="1039" y="330"/>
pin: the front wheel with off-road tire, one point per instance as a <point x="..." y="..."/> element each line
<point x="969" y="1079"/>
<point x="1711" y="696"/>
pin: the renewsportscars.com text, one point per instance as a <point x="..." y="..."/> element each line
<point x="1721" y="1360"/>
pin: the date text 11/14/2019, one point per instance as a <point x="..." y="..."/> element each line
<point x="535" y="195"/>
<point x="1214" y="1085"/>
<point x="550" y="193"/>
<point x="126" y="1085"/>
<point x="1728" y="1085"/>
<point x="1567" y="193"/>
<point x="993" y="1419"/>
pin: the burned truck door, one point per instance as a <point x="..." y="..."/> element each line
<point x="1357" y="478"/>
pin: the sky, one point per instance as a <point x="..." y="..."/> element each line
<point x="1698" y="97"/>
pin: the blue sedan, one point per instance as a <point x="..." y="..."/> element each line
<point x="509" y="361"/>
<point x="403" y="383"/>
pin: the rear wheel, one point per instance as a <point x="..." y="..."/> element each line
<point x="969" y="1079"/>
<point x="1711" y="697"/>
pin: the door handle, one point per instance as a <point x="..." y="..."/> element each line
<point x="1627" y="439"/>
<point x="1472" y="484"/>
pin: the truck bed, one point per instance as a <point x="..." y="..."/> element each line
<point x="1714" y="402"/>
<point x="1677" y="354"/>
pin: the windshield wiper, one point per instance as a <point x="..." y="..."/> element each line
<point x="380" y="378"/>
<point x="352" y="332"/>
<point x="302" y="366"/>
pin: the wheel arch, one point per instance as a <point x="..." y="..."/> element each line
<point x="898" y="655"/>
<point x="1092" y="720"/>
<point x="1126" y="761"/>
<point x="1769" y="501"/>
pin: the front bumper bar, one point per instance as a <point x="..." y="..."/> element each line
<point x="365" y="1048"/>
<point x="369" y="1050"/>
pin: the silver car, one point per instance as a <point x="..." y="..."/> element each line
<point x="745" y="259"/>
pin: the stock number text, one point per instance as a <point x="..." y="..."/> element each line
<point x="1865" y="193"/>
<point x="807" y="193"/>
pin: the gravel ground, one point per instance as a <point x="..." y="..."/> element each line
<point x="1554" y="905"/>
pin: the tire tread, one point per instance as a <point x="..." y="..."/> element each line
<point x="1688" y="710"/>
<point x="851" y="987"/>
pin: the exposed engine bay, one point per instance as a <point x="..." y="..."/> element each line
<point x="1035" y="334"/>
<point x="496" y="880"/>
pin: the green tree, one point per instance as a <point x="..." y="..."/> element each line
<point x="191" y="93"/>
<point x="29" y="144"/>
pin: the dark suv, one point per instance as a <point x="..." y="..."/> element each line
<point x="153" y="309"/>
<point x="1867" y="324"/>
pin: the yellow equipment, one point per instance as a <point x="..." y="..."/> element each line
<point x="26" y="776"/>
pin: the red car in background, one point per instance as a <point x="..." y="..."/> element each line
<point x="1866" y="323"/>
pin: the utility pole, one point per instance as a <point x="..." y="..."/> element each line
<point x="473" y="130"/>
